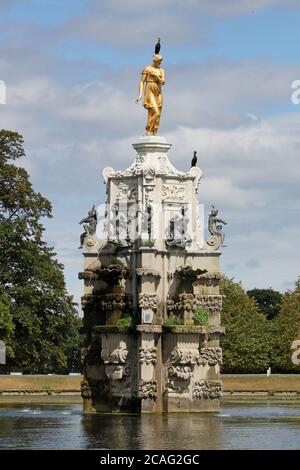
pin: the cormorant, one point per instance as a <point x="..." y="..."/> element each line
<point x="194" y="160"/>
<point x="157" y="47"/>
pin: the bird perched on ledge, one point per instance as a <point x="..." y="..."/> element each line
<point x="194" y="159"/>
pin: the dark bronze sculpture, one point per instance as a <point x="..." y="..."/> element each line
<point x="89" y="225"/>
<point x="213" y="220"/>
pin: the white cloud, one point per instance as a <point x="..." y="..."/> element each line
<point x="273" y="253"/>
<point x="78" y="117"/>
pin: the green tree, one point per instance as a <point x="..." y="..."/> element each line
<point x="246" y="341"/>
<point x="285" y="329"/>
<point x="6" y="322"/>
<point x="268" y="300"/>
<point x="33" y="296"/>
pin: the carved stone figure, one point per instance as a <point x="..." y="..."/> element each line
<point x="214" y="229"/>
<point x="146" y="221"/>
<point x="120" y="228"/>
<point x="152" y="79"/>
<point x="177" y="235"/>
<point x="89" y="225"/>
<point x="149" y="194"/>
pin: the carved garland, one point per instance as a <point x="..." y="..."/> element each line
<point x="210" y="356"/>
<point x="148" y="389"/>
<point x="148" y="301"/>
<point x="188" y="302"/>
<point x="207" y="389"/>
<point x="148" y="355"/>
<point x="173" y="193"/>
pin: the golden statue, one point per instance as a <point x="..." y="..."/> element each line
<point x="152" y="78"/>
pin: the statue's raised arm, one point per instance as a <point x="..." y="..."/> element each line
<point x="89" y="224"/>
<point x="152" y="79"/>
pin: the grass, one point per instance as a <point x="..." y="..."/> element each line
<point x="68" y="383"/>
<point x="173" y="320"/>
<point x="261" y="383"/>
<point x="200" y="316"/>
<point x="40" y="383"/>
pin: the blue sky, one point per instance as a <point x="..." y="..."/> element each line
<point x="72" y="68"/>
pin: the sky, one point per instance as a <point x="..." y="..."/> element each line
<point x="72" y="67"/>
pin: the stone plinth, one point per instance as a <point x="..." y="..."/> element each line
<point x="150" y="268"/>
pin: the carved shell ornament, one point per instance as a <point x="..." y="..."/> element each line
<point x="107" y="172"/>
<point x="89" y="241"/>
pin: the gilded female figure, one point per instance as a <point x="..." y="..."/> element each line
<point x="152" y="78"/>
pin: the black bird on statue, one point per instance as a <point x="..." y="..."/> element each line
<point x="157" y="47"/>
<point x="194" y="160"/>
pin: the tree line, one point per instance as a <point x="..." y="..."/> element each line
<point x="261" y="325"/>
<point x="39" y="323"/>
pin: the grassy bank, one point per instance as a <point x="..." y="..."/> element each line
<point x="66" y="388"/>
<point x="261" y="383"/>
<point x="40" y="383"/>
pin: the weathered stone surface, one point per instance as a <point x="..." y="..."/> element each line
<point x="151" y="263"/>
<point x="148" y="389"/>
<point x="210" y="356"/>
<point x="207" y="389"/>
<point x="148" y="355"/>
<point x="190" y="302"/>
<point x="148" y="301"/>
<point x="147" y="272"/>
<point x="145" y="328"/>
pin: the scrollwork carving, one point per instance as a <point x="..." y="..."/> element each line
<point x="118" y="355"/>
<point x="149" y="194"/>
<point x="184" y="356"/>
<point x="180" y="372"/>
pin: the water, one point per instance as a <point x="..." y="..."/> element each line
<point x="254" y="426"/>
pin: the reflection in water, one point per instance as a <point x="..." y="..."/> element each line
<point x="255" y="426"/>
<point x="151" y="432"/>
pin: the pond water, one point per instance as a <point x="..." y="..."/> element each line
<point x="247" y="426"/>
